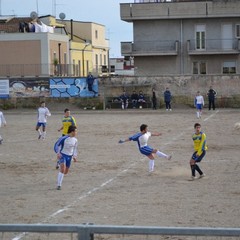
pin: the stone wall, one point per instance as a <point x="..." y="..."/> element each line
<point x="183" y="89"/>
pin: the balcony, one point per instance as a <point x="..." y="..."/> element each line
<point x="213" y="46"/>
<point x="150" y="48"/>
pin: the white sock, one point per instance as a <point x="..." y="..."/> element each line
<point x="60" y="178"/>
<point x="43" y="135"/>
<point x="198" y="114"/>
<point x="161" y="154"/>
<point x="151" y="165"/>
<point x="39" y="131"/>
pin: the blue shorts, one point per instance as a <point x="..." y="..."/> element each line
<point x="66" y="160"/>
<point x="146" y="150"/>
<point x="199" y="158"/>
<point x="199" y="106"/>
<point x="39" y="124"/>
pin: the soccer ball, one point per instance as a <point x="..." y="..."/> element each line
<point x="237" y="126"/>
<point x="140" y="107"/>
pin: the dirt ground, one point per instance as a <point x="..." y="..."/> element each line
<point x="110" y="183"/>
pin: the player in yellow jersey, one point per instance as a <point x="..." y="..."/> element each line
<point x="67" y="121"/>
<point x="200" y="147"/>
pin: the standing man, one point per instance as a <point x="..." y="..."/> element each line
<point x="142" y="139"/>
<point x="66" y="149"/>
<point x="134" y="98"/>
<point x="199" y="104"/>
<point x="154" y="99"/>
<point x="167" y="99"/>
<point x="211" y="98"/>
<point x="43" y="113"/>
<point x="67" y="121"/>
<point x="2" y="122"/>
<point x="200" y="147"/>
<point x="90" y="80"/>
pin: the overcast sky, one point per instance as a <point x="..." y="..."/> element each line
<point x="106" y="12"/>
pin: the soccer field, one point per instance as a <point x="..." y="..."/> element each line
<point x="110" y="183"/>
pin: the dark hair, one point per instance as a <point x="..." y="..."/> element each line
<point x="143" y="127"/>
<point x="71" y="129"/>
<point x="42" y="102"/>
<point x="197" y="125"/>
<point x="66" y="110"/>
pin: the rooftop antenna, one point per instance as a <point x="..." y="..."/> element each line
<point x="37" y="5"/>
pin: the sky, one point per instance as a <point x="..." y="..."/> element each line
<point x="105" y="12"/>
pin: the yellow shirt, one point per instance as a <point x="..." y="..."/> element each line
<point x="199" y="141"/>
<point x="67" y="122"/>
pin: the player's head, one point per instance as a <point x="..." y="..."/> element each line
<point x="197" y="127"/>
<point x="42" y="103"/>
<point x="72" y="129"/>
<point x="67" y="112"/>
<point x="143" y="127"/>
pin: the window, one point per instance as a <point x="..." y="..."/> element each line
<point x="96" y="34"/>
<point x="229" y="67"/>
<point x="237" y="30"/>
<point x="200" y="37"/>
<point x="199" y="67"/>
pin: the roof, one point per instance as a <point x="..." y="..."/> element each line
<point x="11" y="24"/>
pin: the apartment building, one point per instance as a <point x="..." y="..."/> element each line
<point x="183" y="36"/>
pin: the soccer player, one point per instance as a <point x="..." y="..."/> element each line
<point x="43" y="113"/>
<point x="200" y="147"/>
<point x="66" y="149"/>
<point x="199" y="104"/>
<point x="67" y="121"/>
<point x="2" y="122"/>
<point x="142" y="139"/>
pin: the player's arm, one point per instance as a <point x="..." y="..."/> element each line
<point x="73" y="122"/>
<point x="123" y="141"/>
<point x="202" y="145"/>
<point x="156" y="134"/>
<point x="75" y="152"/>
<point x="60" y="129"/>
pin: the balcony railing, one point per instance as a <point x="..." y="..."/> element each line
<point x="45" y="70"/>
<point x="150" y="48"/>
<point x="213" y="46"/>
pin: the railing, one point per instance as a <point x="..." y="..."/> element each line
<point x="150" y="47"/>
<point x="87" y="231"/>
<point x="45" y="70"/>
<point x="214" y="45"/>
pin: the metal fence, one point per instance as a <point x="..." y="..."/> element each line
<point x="88" y="231"/>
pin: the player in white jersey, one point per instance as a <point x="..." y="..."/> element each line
<point x="66" y="149"/>
<point x="199" y="104"/>
<point x="2" y="122"/>
<point x="43" y="113"/>
<point x="142" y="140"/>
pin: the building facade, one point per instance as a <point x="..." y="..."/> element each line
<point x="52" y="47"/>
<point x="183" y="37"/>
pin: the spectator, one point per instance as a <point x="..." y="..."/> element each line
<point x="124" y="100"/>
<point x="167" y="99"/>
<point x="211" y="98"/>
<point x="199" y="104"/>
<point x="134" y="99"/>
<point x="154" y="99"/>
<point x="90" y="80"/>
<point x="141" y="99"/>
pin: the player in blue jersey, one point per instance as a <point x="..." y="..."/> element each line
<point x="142" y="139"/>
<point x="66" y="149"/>
<point x="200" y="147"/>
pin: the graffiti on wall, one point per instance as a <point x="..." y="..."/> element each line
<point x="73" y="87"/>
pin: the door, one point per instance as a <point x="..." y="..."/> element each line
<point x="227" y="35"/>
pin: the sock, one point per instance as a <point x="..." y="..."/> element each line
<point x="193" y="170"/>
<point x="198" y="114"/>
<point x="161" y="154"/>
<point x="39" y="131"/>
<point x="151" y="165"/>
<point x="43" y="135"/>
<point x="198" y="169"/>
<point x="60" y="178"/>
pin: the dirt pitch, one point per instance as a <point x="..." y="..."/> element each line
<point x="110" y="183"/>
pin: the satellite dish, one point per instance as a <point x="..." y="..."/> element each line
<point x="62" y="16"/>
<point x="33" y="15"/>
